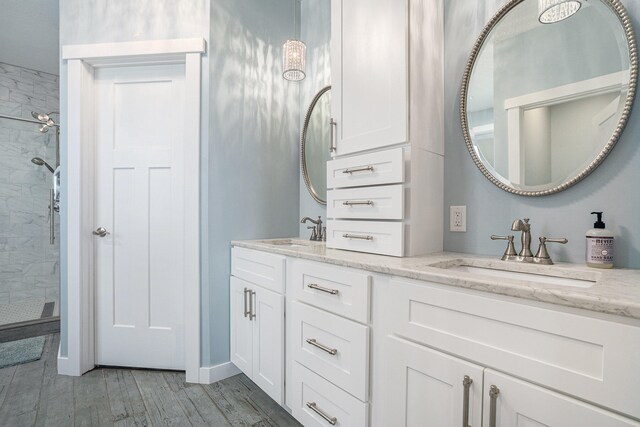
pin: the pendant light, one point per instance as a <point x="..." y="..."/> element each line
<point x="552" y="11"/>
<point x="294" y="55"/>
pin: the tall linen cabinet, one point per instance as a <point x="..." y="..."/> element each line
<point x="387" y="61"/>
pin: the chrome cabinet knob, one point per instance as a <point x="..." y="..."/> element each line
<point x="100" y="232"/>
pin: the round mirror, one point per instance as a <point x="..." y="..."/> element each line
<point x="546" y="95"/>
<point x="316" y="139"/>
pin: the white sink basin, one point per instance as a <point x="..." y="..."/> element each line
<point x="527" y="276"/>
<point x="288" y="243"/>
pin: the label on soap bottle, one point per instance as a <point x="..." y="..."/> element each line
<point x="600" y="250"/>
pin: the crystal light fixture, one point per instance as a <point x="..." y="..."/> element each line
<point x="293" y="60"/>
<point x="294" y="55"/>
<point x="552" y="11"/>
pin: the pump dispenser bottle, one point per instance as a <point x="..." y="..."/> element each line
<point x="599" y="245"/>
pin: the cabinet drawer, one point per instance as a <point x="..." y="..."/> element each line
<point x="592" y="359"/>
<point x="384" y="167"/>
<point x="385" y="238"/>
<point x="335" y="348"/>
<point x="260" y="268"/>
<point x="337" y="289"/>
<point x="311" y="392"/>
<point x="366" y="203"/>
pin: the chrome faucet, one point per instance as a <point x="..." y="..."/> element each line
<point x="525" y="255"/>
<point x="316" y="231"/>
<point x="525" y="238"/>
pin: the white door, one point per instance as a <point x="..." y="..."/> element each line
<point x="241" y="333"/>
<point x="369" y="70"/>
<point x="139" y="166"/>
<point x="268" y="342"/>
<point x="520" y="404"/>
<point x="425" y="387"/>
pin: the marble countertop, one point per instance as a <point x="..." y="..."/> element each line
<point x="615" y="291"/>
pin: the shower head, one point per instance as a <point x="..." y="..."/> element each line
<point x="38" y="161"/>
<point x="47" y="121"/>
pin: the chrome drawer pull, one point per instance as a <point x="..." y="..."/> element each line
<point x="246" y="310"/>
<point x="321" y="289"/>
<point x="365" y="169"/>
<point x="252" y="298"/>
<point x="466" y="382"/>
<point x="327" y="418"/>
<point x="368" y="202"/>
<point x="356" y="236"/>
<point x="331" y="351"/>
<point x="493" y="394"/>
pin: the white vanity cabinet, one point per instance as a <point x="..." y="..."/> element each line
<point x="257" y="318"/>
<point x="366" y="349"/>
<point x="431" y="336"/>
<point x="385" y="183"/>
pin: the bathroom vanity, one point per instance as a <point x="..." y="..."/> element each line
<point x="355" y="339"/>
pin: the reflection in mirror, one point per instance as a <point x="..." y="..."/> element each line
<point x="316" y="139"/>
<point x="543" y="104"/>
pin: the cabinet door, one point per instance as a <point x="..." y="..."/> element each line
<point x="268" y="342"/>
<point x="369" y="69"/>
<point x="425" y="387"/>
<point x="241" y="326"/>
<point x="520" y="404"/>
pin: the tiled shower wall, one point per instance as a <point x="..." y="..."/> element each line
<point x="29" y="265"/>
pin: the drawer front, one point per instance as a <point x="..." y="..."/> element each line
<point x="336" y="289"/>
<point x="331" y="404"/>
<point x="593" y="359"/>
<point x="366" y="203"/>
<point x="383" y="167"/>
<point x="337" y="349"/>
<point x="259" y="268"/>
<point x="385" y="238"/>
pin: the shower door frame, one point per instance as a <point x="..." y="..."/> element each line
<point x="78" y="317"/>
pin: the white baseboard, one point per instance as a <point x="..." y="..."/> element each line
<point x="212" y="374"/>
<point x="65" y="366"/>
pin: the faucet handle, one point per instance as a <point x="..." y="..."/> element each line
<point x="542" y="256"/>
<point x="314" y="233"/>
<point x="510" y="252"/>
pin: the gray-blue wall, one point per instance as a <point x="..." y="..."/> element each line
<point x="612" y="188"/>
<point x="253" y="182"/>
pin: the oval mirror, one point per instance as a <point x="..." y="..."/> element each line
<point x="314" y="150"/>
<point x="543" y="104"/>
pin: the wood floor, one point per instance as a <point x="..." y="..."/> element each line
<point x="32" y="394"/>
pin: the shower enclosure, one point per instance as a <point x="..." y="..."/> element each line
<point x="29" y="178"/>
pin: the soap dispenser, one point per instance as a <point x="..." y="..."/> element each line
<point x="599" y="252"/>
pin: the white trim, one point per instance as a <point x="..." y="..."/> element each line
<point x="101" y="51"/>
<point x="581" y="89"/>
<point x="81" y="61"/>
<point x="64" y="367"/>
<point x="212" y="374"/>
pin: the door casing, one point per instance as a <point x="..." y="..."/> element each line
<point x="78" y="199"/>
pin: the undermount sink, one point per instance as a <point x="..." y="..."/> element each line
<point x="289" y="243"/>
<point x="530" y="276"/>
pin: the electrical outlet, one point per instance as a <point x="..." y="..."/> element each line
<point x="458" y="219"/>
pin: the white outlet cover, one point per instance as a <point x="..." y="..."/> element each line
<point x="458" y="219"/>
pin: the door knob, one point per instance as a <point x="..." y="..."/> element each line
<point x="100" y="232"/>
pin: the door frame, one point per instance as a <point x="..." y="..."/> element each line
<point x="82" y="60"/>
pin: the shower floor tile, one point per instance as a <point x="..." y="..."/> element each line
<point x="21" y="311"/>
